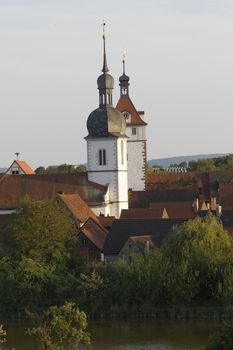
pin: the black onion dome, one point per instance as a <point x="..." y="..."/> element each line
<point x="105" y="81"/>
<point x="124" y="78"/>
<point x="105" y="121"/>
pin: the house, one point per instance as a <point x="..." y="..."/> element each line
<point x="123" y="229"/>
<point x="92" y="236"/>
<point x="137" y="245"/>
<point x="19" y="167"/>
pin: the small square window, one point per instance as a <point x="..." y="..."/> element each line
<point x="134" y="131"/>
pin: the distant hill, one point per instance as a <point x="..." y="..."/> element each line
<point x="166" y="162"/>
<point x="2" y="170"/>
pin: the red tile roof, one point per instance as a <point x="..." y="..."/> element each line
<point x="94" y="232"/>
<point x="125" y="104"/>
<point x="226" y="195"/>
<point x="77" y="207"/>
<point x="144" y="213"/>
<point x="25" y="167"/>
<point x="12" y="188"/>
<point x="176" y="210"/>
<point x="106" y="221"/>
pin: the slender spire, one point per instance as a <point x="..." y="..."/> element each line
<point x="105" y="66"/>
<point x="123" y="61"/>
<point x="124" y="79"/>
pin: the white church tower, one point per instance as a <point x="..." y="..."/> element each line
<point x="107" y="145"/>
<point x="136" y="132"/>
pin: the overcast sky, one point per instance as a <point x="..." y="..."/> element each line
<point x="179" y="59"/>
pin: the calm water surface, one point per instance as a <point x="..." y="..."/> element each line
<point x="138" y="335"/>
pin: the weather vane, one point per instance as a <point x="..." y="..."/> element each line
<point x="17" y="155"/>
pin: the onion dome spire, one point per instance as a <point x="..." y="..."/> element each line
<point x="105" y="65"/>
<point x="105" y="81"/>
<point x="124" y="80"/>
<point x="106" y="120"/>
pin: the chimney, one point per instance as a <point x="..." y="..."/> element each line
<point x="218" y="211"/>
<point x="147" y="247"/>
<point x="196" y="205"/>
<point x="213" y="203"/>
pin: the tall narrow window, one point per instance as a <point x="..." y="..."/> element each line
<point x="122" y="152"/>
<point x="102" y="157"/>
<point x="134" y="131"/>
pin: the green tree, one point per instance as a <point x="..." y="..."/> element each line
<point x="38" y="229"/>
<point x="2" y="336"/>
<point x="202" y="165"/>
<point x="81" y="168"/>
<point x="90" y="291"/>
<point x="149" y="169"/>
<point x="62" y="326"/>
<point x="40" y="170"/>
<point x="222" y="340"/>
<point x="200" y="261"/>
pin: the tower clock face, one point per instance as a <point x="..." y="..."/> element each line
<point x="127" y="116"/>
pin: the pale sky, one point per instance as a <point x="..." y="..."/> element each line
<point x="179" y="59"/>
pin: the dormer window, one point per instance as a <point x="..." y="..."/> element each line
<point x="127" y="116"/>
<point x="102" y="157"/>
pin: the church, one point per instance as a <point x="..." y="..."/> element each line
<point x="116" y="143"/>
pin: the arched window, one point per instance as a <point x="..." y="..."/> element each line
<point x="102" y="157"/>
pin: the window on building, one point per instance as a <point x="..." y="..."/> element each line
<point x="84" y="242"/>
<point x="134" y="131"/>
<point x="102" y="157"/>
<point x="15" y="172"/>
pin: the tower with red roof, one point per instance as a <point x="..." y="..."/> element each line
<point x="136" y="132"/>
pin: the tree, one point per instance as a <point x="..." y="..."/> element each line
<point x="2" y="336"/>
<point x="81" y="168"/>
<point x="61" y="326"/>
<point x="38" y="229"/>
<point x="222" y="340"/>
<point x="40" y="170"/>
<point x="200" y="261"/>
<point x="202" y="165"/>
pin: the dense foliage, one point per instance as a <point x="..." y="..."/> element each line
<point x="61" y="326"/>
<point x="61" y="169"/>
<point x="41" y="266"/>
<point x="222" y="340"/>
<point x="209" y="164"/>
<point x="40" y="259"/>
<point x="2" y="336"/>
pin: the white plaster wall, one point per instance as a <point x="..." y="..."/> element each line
<point x="15" y="167"/>
<point x="93" y="147"/>
<point x="136" y="165"/>
<point x="114" y="173"/>
<point x="140" y="134"/>
<point x="106" y="210"/>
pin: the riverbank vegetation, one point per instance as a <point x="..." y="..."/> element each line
<point x="222" y="340"/>
<point x="40" y="266"/>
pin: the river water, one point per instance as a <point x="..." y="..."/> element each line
<point x="133" y="335"/>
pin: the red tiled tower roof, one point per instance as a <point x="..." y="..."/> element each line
<point x="125" y="104"/>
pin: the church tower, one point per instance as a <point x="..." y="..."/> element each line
<point x="107" y="144"/>
<point x="136" y="132"/>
